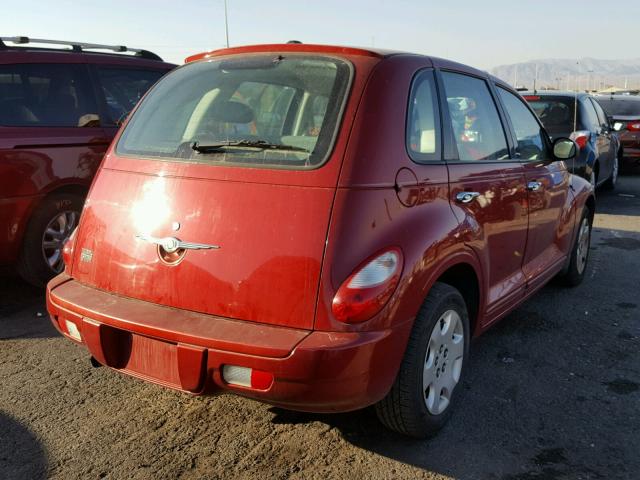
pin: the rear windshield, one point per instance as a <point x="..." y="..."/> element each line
<point x="260" y="110"/>
<point x="620" y="106"/>
<point x="556" y="113"/>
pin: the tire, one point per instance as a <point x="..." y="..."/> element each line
<point x="577" y="268"/>
<point x="410" y="408"/>
<point x="611" y="182"/>
<point x="36" y="248"/>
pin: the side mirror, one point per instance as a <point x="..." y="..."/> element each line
<point x="564" y="149"/>
<point x="617" y="126"/>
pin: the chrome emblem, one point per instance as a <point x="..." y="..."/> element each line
<point x="172" y="244"/>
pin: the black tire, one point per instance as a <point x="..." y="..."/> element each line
<point x="575" y="272"/>
<point x="404" y="409"/>
<point x="32" y="265"/>
<point x="611" y="182"/>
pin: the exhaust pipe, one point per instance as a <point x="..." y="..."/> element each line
<point x="95" y="363"/>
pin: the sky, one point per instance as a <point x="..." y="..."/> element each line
<point x="482" y="33"/>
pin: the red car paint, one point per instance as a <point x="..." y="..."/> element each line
<point x="290" y="238"/>
<point x="38" y="161"/>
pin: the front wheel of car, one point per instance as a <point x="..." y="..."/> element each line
<point x="613" y="179"/>
<point x="49" y="227"/>
<point x="580" y="252"/>
<point x="430" y="376"/>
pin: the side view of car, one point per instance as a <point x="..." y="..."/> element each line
<point x="624" y="111"/>
<point x="581" y="118"/>
<point x="60" y="107"/>
<point x="321" y="228"/>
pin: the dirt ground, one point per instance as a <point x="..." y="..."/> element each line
<point x="552" y="393"/>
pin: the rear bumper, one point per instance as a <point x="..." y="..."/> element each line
<point x="313" y="371"/>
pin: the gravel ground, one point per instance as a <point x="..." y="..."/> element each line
<point x="552" y="393"/>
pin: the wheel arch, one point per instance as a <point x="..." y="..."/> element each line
<point x="463" y="272"/>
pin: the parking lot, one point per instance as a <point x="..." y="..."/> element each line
<point x="552" y="392"/>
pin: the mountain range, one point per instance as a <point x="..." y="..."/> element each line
<point x="570" y="74"/>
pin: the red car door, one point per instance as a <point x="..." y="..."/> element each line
<point x="487" y="189"/>
<point x="547" y="184"/>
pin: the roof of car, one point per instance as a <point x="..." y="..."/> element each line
<point x="336" y="50"/>
<point x="20" y="47"/>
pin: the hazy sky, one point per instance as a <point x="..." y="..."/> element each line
<point x="483" y="33"/>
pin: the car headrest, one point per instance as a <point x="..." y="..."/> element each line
<point x="232" y="112"/>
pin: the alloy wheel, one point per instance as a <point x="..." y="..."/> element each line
<point x="55" y="235"/>
<point x="443" y="362"/>
<point x="582" y="250"/>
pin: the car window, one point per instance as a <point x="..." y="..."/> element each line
<point x="46" y="95"/>
<point x="620" y="105"/>
<point x="591" y="118"/>
<point x="288" y="109"/>
<point x="474" y="117"/>
<point x="423" y="122"/>
<point x="602" y="117"/>
<point x="530" y="136"/>
<point x="123" y="88"/>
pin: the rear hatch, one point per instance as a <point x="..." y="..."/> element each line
<point x="216" y="197"/>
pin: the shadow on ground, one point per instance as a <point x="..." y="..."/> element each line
<point x="21" y="454"/>
<point x="22" y="309"/>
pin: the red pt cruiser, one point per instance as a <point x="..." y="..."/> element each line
<point x="321" y="228"/>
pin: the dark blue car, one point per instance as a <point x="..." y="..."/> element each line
<point x="599" y="157"/>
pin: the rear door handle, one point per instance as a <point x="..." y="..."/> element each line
<point x="534" y="186"/>
<point x="466" y="197"/>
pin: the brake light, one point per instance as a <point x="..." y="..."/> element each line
<point x="67" y="250"/>
<point x="581" y="137"/>
<point x="369" y="288"/>
<point x="531" y="98"/>
<point x="633" y="127"/>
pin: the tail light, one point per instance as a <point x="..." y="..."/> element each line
<point x="531" y="98"/>
<point x="633" y="126"/>
<point x="581" y="137"/>
<point x="369" y="288"/>
<point x="67" y="250"/>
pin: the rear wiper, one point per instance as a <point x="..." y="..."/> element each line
<point x="260" y="144"/>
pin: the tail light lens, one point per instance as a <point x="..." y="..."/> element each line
<point x="369" y="288"/>
<point x="633" y="127"/>
<point x="67" y="250"/>
<point x="581" y="137"/>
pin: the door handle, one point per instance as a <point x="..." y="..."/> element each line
<point x="466" y="197"/>
<point x="534" y="186"/>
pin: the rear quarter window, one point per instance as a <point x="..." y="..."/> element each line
<point x="287" y="107"/>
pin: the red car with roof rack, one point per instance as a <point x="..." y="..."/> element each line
<point x="320" y="228"/>
<point x="60" y="106"/>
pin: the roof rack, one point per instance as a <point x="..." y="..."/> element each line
<point x="79" y="46"/>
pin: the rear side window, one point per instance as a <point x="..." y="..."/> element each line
<point x="602" y="117"/>
<point x="474" y="117"/>
<point x="591" y="117"/>
<point x="46" y="95"/>
<point x="423" y="123"/>
<point x="259" y="110"/>
<point x="123" y="88"/>
<point x="556" y="114"/>
<point x="530" y="136"/>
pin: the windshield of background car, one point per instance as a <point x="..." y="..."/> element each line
<point x="259" y="110"/>
<point x="623" y="107"/>
<point x="556" y="114"/>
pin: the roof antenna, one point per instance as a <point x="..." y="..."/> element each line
<point x="226" y="22"/>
